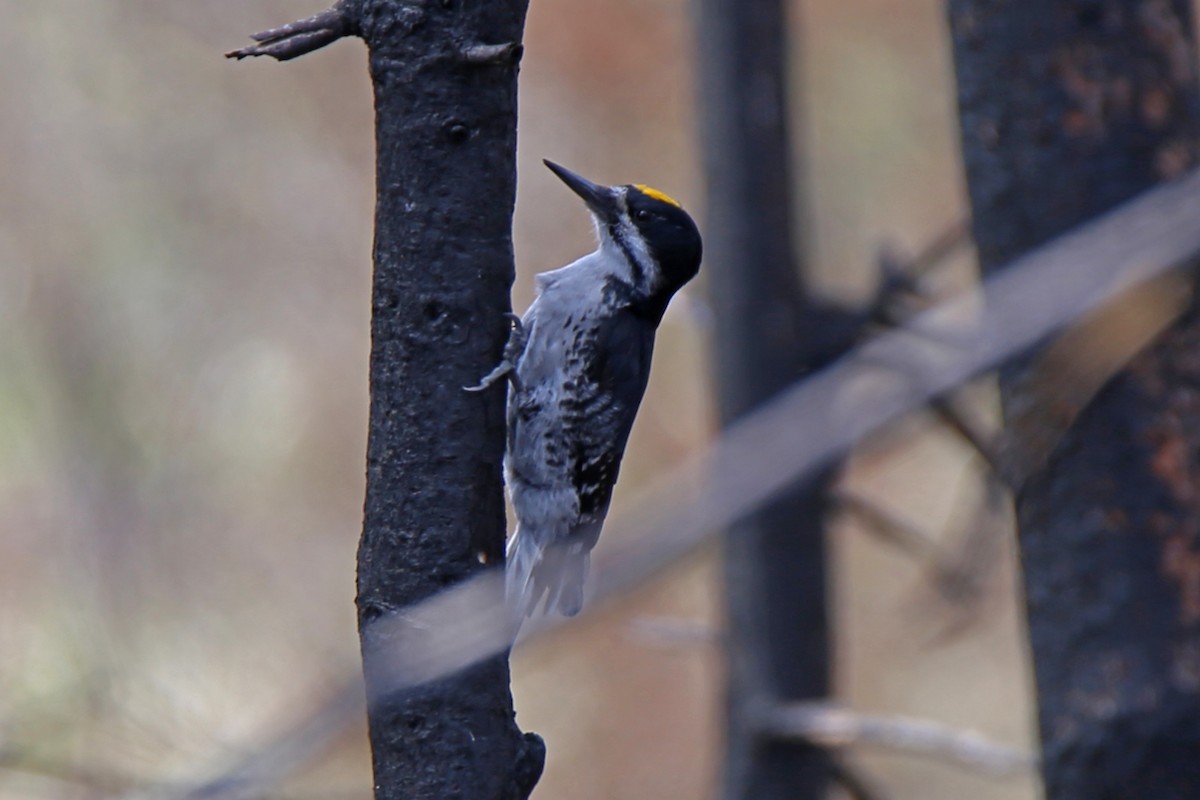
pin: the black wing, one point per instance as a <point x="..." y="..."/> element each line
<point x="615" y="371"/>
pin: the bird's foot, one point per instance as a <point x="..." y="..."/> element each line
<point x="508" y="364"/>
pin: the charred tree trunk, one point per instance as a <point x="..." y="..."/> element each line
<point x="445" y="77"/>
<point x="768" y="332"/>
<point x="446" y="177"/>
<point x="1068" y="108"/>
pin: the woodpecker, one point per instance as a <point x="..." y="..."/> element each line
<point x="577" y="364"/>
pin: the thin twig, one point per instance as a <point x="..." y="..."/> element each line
<point x="934" y="254"/>
<point x="300" y="37"/>
<point x="269" y="764"/>
<point x="900" y="277"/>
<point x="947" y="577"/>
<point x="668" y="632"/>
<point x="854" y="782"/>
<point x="949" y="410"/>
<point x="830" y="726"/>
<point x="77" y="775"/>
<point x="887" y="526"/>
<point x="973" y="564"/>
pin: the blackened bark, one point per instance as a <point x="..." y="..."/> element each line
<point x="446" y="181"/>
<point x="768" y="332"/>
<point x="445" y="77"/>
<point x="1068" y="108"/>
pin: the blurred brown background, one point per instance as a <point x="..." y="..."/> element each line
<point x="184" y="277"/>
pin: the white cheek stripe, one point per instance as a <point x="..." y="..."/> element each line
<point x="637" y="249"/>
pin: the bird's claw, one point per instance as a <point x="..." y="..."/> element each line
<point x="508" y="365"/>
<point x="504" y="368"/>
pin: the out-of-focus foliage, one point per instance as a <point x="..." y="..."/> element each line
<point x="184" y="298"/>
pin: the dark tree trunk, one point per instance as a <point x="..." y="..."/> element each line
<point x="768" y="332"/>
<point x="446" y="181"/>
<point x="1067" y="109"/>
<point x="445" y="77"/>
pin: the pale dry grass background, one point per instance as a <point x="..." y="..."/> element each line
<point x="184" y="279"/>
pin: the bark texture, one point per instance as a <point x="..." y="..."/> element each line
<point x="768" y="332"/>
<point x="1068" y="108"/>
<point x="434" y="514"/>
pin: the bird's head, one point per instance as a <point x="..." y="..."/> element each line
<point x="651" y="233"/>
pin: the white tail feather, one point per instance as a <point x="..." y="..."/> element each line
<point x="522" y="556"/>
<point x="558" y="572"/>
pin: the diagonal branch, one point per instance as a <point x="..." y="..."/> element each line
<point x="953" y="579"/>
<point x="830" y="726"/>
<point x="877" y="520"/>
<point x="901" y="277"/>
<point x="855" y="784"/>
<point x="300" y="37"/>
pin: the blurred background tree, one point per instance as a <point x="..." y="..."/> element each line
<point x="1098" y="104"/>
<point x="183" y="393"/>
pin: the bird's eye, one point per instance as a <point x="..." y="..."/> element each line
<point x="642" y="215"/>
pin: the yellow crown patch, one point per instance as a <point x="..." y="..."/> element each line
<point x="656" y="194"/>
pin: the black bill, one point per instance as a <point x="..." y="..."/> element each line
<point x="602" y="200"/>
